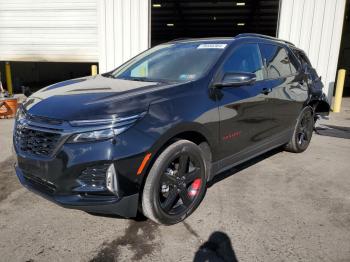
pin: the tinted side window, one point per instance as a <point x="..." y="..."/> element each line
<point x="293" y="63"/>
<point x="245" y="58"/>
<point x="276" y="61"/>
<point x="302" y="58"/>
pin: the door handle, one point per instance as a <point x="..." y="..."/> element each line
<point x="266" y="91"/>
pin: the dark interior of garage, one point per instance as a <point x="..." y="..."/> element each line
<point x="172" y="19"/>
<point x="40" y="74"/>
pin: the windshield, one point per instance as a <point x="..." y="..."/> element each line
<point x="178" y="62"/>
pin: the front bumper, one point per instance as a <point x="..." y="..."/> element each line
<point x="124" y="206"/>
<point x="73" y="175"/>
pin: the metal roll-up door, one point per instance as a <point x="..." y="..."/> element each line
<point x="53" y="31"/>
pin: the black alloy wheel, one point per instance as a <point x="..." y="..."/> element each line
<point x="176" y="183"/>
<point x="302" y="132"/>
<point x="305" y="129"/>
<point x="180" y="184"/>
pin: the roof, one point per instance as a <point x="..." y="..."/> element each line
<point x="207" y="39"/>
<point x="264" y="37"/>
<point x="230" y="39"/>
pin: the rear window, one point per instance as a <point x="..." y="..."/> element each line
<point x="293" y="62"/>
<point x="302" y="57"/>
<point x="276" y="61"/>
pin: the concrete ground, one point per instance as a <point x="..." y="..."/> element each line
<point x="279" y="207"/>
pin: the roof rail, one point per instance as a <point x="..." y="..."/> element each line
<point x="179" y="39"/>
<point x="264" y="36"/>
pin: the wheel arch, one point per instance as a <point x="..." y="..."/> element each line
<point x="320" y="107"/>
<point x="191" y="132"/>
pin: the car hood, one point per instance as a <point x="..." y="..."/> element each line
<point x="92" y="97"/>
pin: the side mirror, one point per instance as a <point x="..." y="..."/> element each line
<point x="237" y="79"/>
<point x="26" y="91"/>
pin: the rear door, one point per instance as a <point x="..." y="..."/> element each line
<point x="314" y="82"/>
<point x="287" y="87"/>
<point x="245" y="121"/>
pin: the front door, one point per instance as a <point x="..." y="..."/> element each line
<point x="245" y="121"/>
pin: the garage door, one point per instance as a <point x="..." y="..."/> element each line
<point x="55" y="30"/>
<point x="194" y="18"/>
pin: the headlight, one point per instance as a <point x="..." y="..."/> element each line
<point x="107" y="128"/>
<point x="96" y="135"/>
<point x="20" y="114"/>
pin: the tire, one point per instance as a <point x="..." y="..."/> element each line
<point x="176" y="183"/>
<point x="302" y="133"/>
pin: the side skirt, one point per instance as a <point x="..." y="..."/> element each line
<point x="249" y="153"/>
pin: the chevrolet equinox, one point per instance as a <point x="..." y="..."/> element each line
<point x="149" y="135"/>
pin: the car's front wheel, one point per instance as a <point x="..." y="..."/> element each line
<point x="302" y="132"/>
<point x="176" y="183"/>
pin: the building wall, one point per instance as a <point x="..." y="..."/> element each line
<point x="316" y="27"/>
<point x="123" y="31"/>
<point x="113" y="31"/>
<point x="55" y="30"/>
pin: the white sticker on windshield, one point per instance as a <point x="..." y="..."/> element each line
<point x="187" y="77"/>
<point x="210" y="46"/>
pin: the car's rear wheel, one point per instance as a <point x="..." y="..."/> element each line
<point x="176" y="183"/>
<point x="302" y="132"/>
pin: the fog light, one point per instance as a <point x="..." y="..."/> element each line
<point x="111" y="180"/>
<point x="93" y="179"/>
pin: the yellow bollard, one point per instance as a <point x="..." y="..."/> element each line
<point x="8" y="78"/>
<point x="339" y="90"/>
<point x="94" y="70"/>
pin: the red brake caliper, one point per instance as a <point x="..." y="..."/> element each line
<point x="194" y="189"/>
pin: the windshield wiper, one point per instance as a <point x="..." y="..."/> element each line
<point x="141" y="79"/>
<point x="109" y="75"/>
<point x="145" y="79"/>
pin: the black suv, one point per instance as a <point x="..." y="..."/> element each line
<point x="149" y="135"/>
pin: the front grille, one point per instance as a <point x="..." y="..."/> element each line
<point x="41" y="183"/>
<point x="45" y="120"/>
<point x="35" y="142"/>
